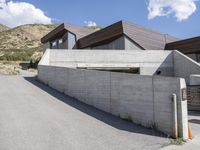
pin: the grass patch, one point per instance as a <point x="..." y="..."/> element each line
<point x="178" y="141"/>
<point x="16" y="55"/>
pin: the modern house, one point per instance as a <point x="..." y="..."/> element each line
<point x="124" y="70"/>
<point x="121" y="36"/>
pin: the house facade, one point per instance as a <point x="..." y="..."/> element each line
<point x="121" y="35"/>
<point x="123" y="69"/>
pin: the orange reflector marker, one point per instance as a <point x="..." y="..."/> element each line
<point x="189" y="131"/>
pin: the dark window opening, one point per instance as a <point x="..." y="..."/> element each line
<point x="120" y="70"/>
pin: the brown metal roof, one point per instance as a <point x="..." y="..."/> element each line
<point x="102" y="36"/>
<point x="63" y="28"/>
<point x="147" y="38"/>
<point x="186" y="46"/>
<point x="143" y="37"/>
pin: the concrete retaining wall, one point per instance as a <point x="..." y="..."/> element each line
<point x="184" y="66"/>
<point x="146" y="100"/>
<point x="195" y="79"/>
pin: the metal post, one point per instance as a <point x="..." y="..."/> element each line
<point x="175" y="118"/>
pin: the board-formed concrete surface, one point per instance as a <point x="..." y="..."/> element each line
<point x="146" y="100"/>
<point x="36" y="117"/>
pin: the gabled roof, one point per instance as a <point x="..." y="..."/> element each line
<point x="143" y="37"/>
<point x="64" y="28"/>
<point x="186" y="46"/>
<point x="147" y="38"/>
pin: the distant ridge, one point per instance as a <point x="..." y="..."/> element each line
<point x="3" y="28"/>
<point x="23" y="37"/>
<point x="22" y="43"/>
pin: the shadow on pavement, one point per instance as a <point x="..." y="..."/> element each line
<point x="194" y="113"/>
<point x="194" y="121"/>
<point x="107" y="118"/>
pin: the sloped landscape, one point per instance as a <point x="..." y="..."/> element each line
<point x="21" y="44"/>
<point x="3" y="28"/>
<point x="24" y="37"/>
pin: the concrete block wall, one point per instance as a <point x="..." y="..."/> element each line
<point x="146" y="100"/>
<point x="184" y="66"/>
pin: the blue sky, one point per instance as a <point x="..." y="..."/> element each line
<point x="106" y="12"/>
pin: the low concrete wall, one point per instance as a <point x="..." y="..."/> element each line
<point x="195" y="79"/>
<point x="149" y="61"/>
<point x="146" y="100"/>
<point x="184" y="66"/>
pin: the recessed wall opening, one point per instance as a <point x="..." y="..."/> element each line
<point x="122" y="70"/>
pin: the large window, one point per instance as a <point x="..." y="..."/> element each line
<point x="60" y="41"/>
<point x="68" y="41"/>
<point x="54" y="45"/>
<point x="71" y="40"/>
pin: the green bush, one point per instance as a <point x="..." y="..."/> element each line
<point x="16" y="55"/>
<point x="33" y="65"/>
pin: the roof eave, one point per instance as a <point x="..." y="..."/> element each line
<point x="53" y="33"/>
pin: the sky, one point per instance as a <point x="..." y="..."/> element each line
<point x="180" y="18"/>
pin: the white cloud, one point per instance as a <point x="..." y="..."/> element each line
<point x="13" y="13"/>
<point x="181" y="9"/>
<point x="90" y="23"/>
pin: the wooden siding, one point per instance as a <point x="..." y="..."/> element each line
<point x="185" y="46"/>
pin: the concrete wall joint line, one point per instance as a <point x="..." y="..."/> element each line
<point x="110" y="91"/>
<point x="153" y="98"/>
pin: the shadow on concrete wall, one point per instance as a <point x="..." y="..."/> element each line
<point x="107" y="118"/>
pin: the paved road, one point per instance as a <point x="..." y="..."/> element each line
<point x="35" y="117"/>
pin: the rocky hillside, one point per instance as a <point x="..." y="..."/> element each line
<point x="24" y="37"/>
<point x="22" y="43"/>
<point x="3" y="28"/>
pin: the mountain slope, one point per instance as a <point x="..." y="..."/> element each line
<point x="24" y="37"/>
<point x="3" y="28"/>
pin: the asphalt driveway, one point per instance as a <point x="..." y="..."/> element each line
<point x="36" y="117"/>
